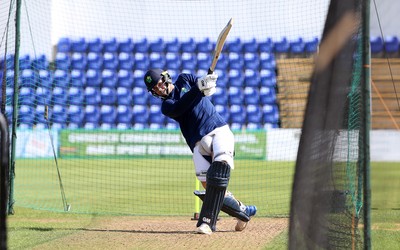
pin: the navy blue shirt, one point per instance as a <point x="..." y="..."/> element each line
<point x="193" y="111"/>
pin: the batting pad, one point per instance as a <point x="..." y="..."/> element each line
<point x="230" y="206"/>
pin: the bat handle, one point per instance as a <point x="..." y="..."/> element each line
<point x="210" y="71"/>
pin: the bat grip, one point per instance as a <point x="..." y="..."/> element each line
<point x="210" y="71"/>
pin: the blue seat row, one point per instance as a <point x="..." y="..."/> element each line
<point x="170" y="60"/>
<point x="75" y="116"/>
<point x="112" y="45"/>
<point x="387" y="44"/>
<point x="129" y="79"/>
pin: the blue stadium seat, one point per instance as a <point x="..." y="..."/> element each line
<point x="110" y="46"/>
<point x="270" y="113"/>
<point x="223" y="62"/>
<point x="95" y="45"/>
<point x="10" y="61"/>
<point x="108" y="96"/>
<point x="140" y="114"/>
<point x="220" y="97"/>
<point x="236" y="95"/>
<point x="252" y="78"/>
<point x="63" y="61"/>
<point x="24" y="62"/>
<point x="267" y="95"/>
<point x="26" y="114"/>
<point x="250" y="46"/>
<point x="59" y="96"/>
<point x="125" y="78"/>
<point x="61" y="78"/>
<point x="110" y="61"/>
<point x="78" y="78"/>
<point x="204" y="61"/>
<point x="236" y="77"/>
<point x="9" y="113"/>
<point x="141" y="46"/>
<point x="139" y="126"/>
<point x="26" y="96"/>
<point x="25" y="125"/>
<point x="281" y="45"/>
<point x="91" y="125"/>
<point x="124" y="114"/>
<point x="268" y="126"/>
<point x="188" y="46"/>
<point x="267" y="78"/>
<point x="123" y="126"/>
<point x="155" y="126"/>
<point x="142" y="61"/>
<point x="92" y="96"/>
<point x="10" y="77"/>
<point x="267" y="60"/>
<point x="75" y="115"/>
<point x="92" y="114"/>
<point x="157" y="46"/>
<point x="58" y="114"/>
<point x="28" y="78"/>
<point x="125" y="61"/>
<point x="155" y="115"/>
<point x="64" y="45"/>
<point x="138" y="76"/>
<point x="234" y="46"/>
<point x="79" y="45"/>
<point x="223" y="77"/>
<point x="40" y="114"/>
<point x="40" y="63"/>
<point x="9" y="95"/>
<point x="223" y="110"/>
<point x="124" y="96"/>
<point x="140" y="96"/>
<point x="253" y="126"/>
<point x="157" y="60"/>
<point x="94" y="61"/>
<point x="78" y="61"/>
<point x="173" y="61"/>
<point x="173" y="46"/>
<point x="237" y="114"/>
<point x="297" y="46"/>
<point x="93" y="78"/>
<point x="45" y="78"/>
<point x="236" y="60"/>
<point x="107" y="126"/>
<point x="253" y="114"/>
<point x="251" y="95"/>
<point x="76" y="96"/>
<point x="189" y="61"/>
<point x="109" y="78"/>
<point x="376" y="43"/>
<point x="251" y="61"/>
<point x="108" y="114"/>
<point x="204" y="46"/>
<point x="311" y="46"/>
<point x="391" y="44"/>
<point x="126" y="45"/>
<point x="43" y="96"/>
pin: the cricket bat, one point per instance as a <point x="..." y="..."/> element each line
<point x="219" y="45"/>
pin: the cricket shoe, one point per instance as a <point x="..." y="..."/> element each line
<point x="250" y="211"/>
<point x="204" y="229"/>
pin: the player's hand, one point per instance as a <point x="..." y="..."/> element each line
<point x="209" y="92"/>
<point x="207" y="82"/>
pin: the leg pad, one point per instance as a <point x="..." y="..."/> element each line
<point x="217" y="182"/>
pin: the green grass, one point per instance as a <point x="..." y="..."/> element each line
<point x="144" y="186"/>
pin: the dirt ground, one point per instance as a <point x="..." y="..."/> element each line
<point x="169" y="233"/>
